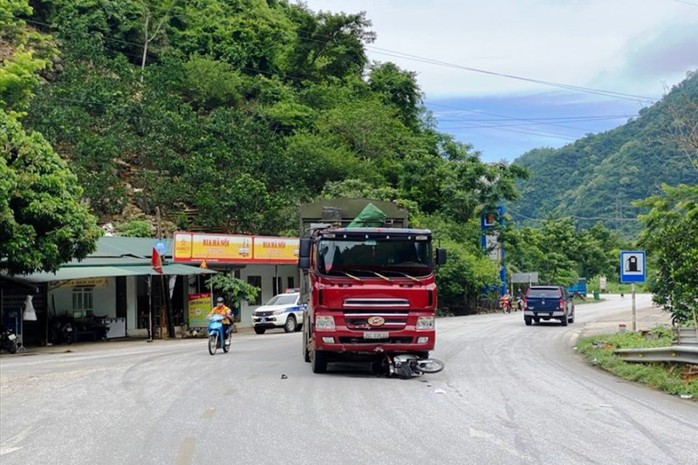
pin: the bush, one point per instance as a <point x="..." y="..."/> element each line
<point x="666" y="377"/>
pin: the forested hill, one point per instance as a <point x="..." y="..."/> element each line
<point x="598" y="177"/>
<point x="231" y="113"/>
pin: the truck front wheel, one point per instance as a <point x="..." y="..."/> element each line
<point x="306" y="353"/>
<point x="318" y="361"/>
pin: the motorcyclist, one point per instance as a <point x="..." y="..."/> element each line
<point x="226" y="312"/>
<point x="505" y="303"/>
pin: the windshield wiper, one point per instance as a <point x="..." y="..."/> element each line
<point x="407" y="276"/>
<point x="355" y="278"/>
<point x="374" y="272"/>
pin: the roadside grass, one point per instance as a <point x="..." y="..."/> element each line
<point x="587" y="300"/>
<point x="675" y="379"/>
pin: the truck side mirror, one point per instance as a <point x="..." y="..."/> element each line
<point x="304" y="254"/>
<point x="440" y="256"/>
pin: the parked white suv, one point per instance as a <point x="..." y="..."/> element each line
<point x="282" y="311"/>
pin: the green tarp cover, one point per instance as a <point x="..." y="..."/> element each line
<point x="370" y="217"/>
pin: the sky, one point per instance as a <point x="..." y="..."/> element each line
<point x="507" y="76"/>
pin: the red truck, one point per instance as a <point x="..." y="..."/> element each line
<point x="368" y="280"/>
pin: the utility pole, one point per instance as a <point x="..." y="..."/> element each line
<point x="166" y="312"/>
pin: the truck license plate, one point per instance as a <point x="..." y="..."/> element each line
<point x="376" y="335"/>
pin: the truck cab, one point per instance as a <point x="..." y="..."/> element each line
<point x="371" y="293"/>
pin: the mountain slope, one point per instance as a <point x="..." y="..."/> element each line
<point x="599" y="176"/>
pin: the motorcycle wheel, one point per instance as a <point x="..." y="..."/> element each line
<point x="430" y="365"/>
<point x="10" y="346"/>
<point x="213" y="343"/>
<point x="227" y="342"/>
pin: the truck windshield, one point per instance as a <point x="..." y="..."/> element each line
<point x="391" y="257"/>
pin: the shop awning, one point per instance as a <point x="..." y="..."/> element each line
<point x="82" y="272"/>
<point x="178" y="268"/>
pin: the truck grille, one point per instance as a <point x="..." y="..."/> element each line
<point x="376" y="303"/>
<point x="358" y="320"/>
<point x="361" y="340"/>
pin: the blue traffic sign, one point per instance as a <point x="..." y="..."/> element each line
<point x="633" y="267"/>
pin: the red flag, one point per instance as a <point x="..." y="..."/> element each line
<point x="156" y="260"/>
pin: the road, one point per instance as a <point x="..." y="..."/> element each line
<point x="509" y="394"/>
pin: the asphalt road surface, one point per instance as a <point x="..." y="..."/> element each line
<point x="510" y="394"/>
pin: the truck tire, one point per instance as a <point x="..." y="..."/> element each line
<point x="527" y="320"/>
<point x="259" y="330"/>
<point x="563" y="321"/>
<point x="290" y="325"/>
<point x="306" y="354"/>
<point x="318" y="361"/>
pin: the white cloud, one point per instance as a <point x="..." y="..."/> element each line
<point x="622" y="45"/>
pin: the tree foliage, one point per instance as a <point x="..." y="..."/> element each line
<point x="42" y="222"/>
<point x="600" y="176"/>
<point x="671" y="238"/>
<point x="232" y="289"/>
<point x="241" y="110"/>
<point x="561" y="252"/>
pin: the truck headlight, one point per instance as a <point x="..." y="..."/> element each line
<point x="425" y="322"/>
<point x="279" y="312"/>
<point x="324" y="322"/>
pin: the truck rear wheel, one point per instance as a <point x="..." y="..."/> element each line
<point x="318" y="361"/>
<point x="563" y="321"/>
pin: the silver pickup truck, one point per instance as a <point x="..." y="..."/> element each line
<point x="548" y="302"/>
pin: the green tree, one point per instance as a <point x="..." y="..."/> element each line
<point x="24" y="54"/>
<point x="548" y="250"/>
<point x="232" y="289"/>
<point x="398" y="88"/>
<point x="671" y="238"/>
<point x="464" y="276"/>
<point x="135" y="228"/>
<point x="43" y="223"/>
<point x="328" y="45"/>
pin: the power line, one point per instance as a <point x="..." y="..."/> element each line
<point x="576" y="217"/>
<point x="686" y="3"/>
<point x="407" y="56"/>
<point x="544" y="119"/>
<point x="587" y="90"/>
<point x="556" y="135"/>
<point x="509" y="127"/>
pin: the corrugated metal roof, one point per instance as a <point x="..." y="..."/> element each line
<point x="80" y="272"/>
<point x="117" y="246"/>
<point x="116" y="256"/>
